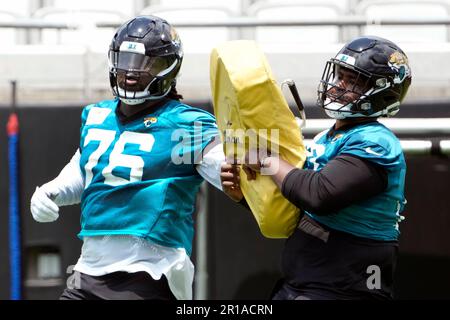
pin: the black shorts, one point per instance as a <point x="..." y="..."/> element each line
<point x="321" y="263"/>
<point x="117" y="286"/>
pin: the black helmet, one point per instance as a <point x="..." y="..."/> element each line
<point x="145" y="56"/>
<point x="382" y="68"/>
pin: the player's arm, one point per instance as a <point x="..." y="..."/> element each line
<point x="221" y="174"/>
<point x="343" y="181"/>
<point x="208" y="166"/>
<point x="65" y="189"/>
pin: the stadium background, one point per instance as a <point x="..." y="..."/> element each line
<point x="56" y="51"/>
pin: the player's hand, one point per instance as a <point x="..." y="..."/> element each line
<point x="42" y="206"/>
<point x="253" y="162"/>
<point x="230" y="179"/>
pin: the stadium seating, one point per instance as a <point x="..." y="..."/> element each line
<point x="233" y="5"/>
<point x="87" y="35"/>
<point x="18" y="7"/>
<point x="195" y="39"/>
<point x="296" y="10"/>
<point x="71" y="65"/>
<point x="375" y="10"/>
<point x="127" y="8"/>
<point x="9" y="36"/>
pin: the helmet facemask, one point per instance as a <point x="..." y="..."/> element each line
<point x="136" y="77"/>
<point x="342" y="102"/>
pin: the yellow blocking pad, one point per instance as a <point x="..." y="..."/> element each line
<point x="246" y="96"/>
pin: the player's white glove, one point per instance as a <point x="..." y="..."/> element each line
<point x="43" y="208"/>
<point x="64" y="190"/>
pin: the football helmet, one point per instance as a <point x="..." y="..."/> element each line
<point x="377" y="78"/>
<point x="144" y="57"/>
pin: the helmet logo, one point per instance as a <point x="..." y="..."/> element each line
<point x="174" y="35"/>
<point x="399" y="63"/>
<point x="175" y="38"/>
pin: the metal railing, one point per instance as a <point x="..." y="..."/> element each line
<point x="418" y="147"/>
<point x="242" y="22"/>
<point x="248" y="22"/>
<point x="430" y="126"/>
<point x="37" y="24"/>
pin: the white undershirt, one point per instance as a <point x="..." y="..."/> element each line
<point x="102" y="255"/>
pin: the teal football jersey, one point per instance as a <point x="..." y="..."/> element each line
<point x="377" y="217"/>
<point x="140" y="176"/>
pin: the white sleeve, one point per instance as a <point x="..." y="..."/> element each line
<point x="69" y="184"/>
<point x="209" y="167"/>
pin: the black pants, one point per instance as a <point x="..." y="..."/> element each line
<point x="321" y="263"/>
<point x="117" y="286"/>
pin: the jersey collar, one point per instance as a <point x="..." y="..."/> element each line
<point x="350" y="125"/>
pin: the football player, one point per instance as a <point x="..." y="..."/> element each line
<point x="351" y="188"/>
<point x="137" y="171"/>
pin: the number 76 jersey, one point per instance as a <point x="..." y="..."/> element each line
<point x="140" y="176"/>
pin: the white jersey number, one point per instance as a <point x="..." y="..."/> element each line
<point x="314" y="151"/>
<point x="117" y="158"/>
